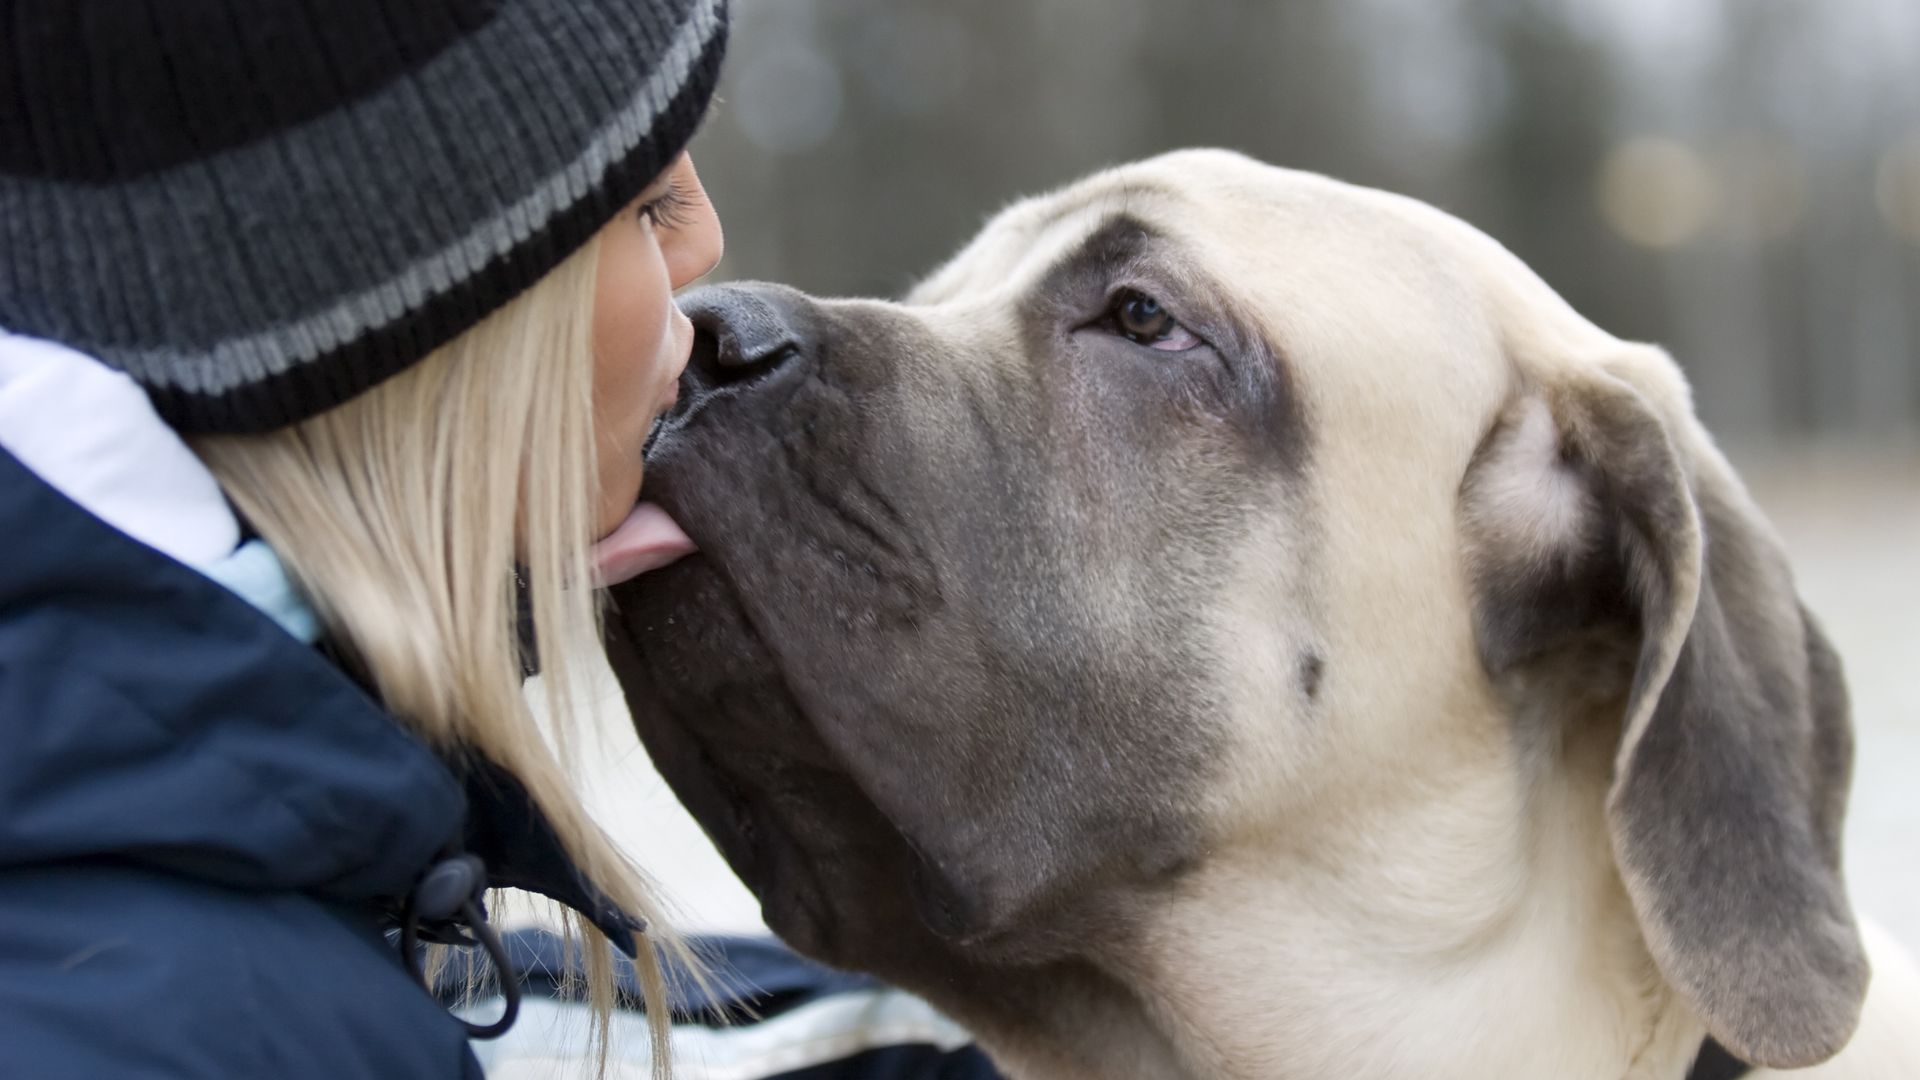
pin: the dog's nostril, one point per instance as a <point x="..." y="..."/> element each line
<point x="736" y="351"/>
<point x="748" y="330"/>
<point x="706" y="350"/>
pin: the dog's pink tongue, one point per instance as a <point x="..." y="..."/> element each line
<point x="648" y="540"/>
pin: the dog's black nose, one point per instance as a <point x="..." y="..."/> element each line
<point x="747" y="330"/>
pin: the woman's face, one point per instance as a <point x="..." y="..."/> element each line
<point x="669" y="238"/>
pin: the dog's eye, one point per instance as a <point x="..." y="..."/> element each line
<point x="1140" y="318"/>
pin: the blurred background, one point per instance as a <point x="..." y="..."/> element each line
<point x="1736" y="179"/>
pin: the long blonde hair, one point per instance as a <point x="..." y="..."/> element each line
<point x="403" y="515"/>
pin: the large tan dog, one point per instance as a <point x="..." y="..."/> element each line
<point x="1228" y="623"/>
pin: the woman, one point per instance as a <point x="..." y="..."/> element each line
<point x="400" y="275"/>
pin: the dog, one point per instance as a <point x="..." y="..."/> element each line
<point x="1229" y="623"/>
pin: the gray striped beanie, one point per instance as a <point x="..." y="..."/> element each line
<point x="260" y="208"/>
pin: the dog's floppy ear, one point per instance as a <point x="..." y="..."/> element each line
<point x="1597" y="505"/>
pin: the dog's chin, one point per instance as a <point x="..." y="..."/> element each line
<point x="723" y="727"/>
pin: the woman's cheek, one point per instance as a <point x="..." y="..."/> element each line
<point x="652" y="371"/>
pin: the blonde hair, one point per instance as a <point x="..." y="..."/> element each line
<point x="405" y="514"/>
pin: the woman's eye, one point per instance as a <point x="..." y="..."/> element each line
<point x="670" y="209"/>
<point x="1140" y="318"/>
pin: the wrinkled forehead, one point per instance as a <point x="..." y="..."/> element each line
<point x="1016" y="249"/>
<point x="1396" y="321"/>
<point x="1296" y="248"/>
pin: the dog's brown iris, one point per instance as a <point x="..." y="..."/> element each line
<point x="1141" y="318"/>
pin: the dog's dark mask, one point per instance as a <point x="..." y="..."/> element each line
<point x="874" y="686"/>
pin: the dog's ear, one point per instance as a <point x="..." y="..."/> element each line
<point x="1598" y="509"/>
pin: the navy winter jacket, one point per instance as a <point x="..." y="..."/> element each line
<point x="205" y="825"/>
<point x="199" y="818"/>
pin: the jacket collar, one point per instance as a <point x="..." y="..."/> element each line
<point x="522" y="851"/>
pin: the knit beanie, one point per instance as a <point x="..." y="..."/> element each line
<point x="260" y="208"/>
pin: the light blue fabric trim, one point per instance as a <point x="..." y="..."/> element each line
<point x="254" y="572"/>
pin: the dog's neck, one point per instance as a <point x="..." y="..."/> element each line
<point x="1474" y="927"/>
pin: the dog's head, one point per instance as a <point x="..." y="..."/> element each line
<point x="1204" y="504"/>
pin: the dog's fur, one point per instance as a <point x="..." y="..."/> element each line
<point x="1397" y="684"/>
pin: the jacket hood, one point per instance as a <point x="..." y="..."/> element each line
<point x="152" y="716"/>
